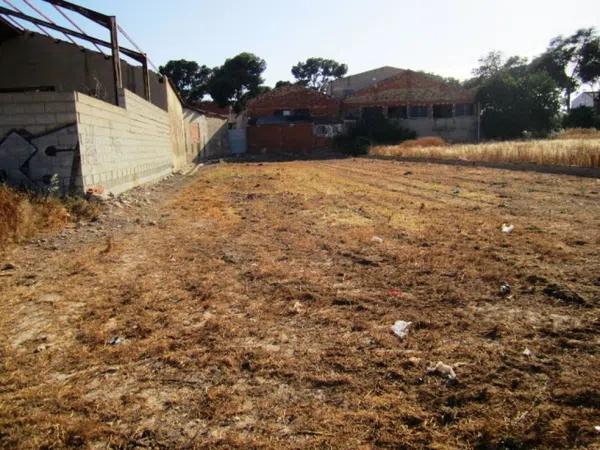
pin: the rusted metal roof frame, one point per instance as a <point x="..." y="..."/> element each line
<point x="140" y="57"/>
<point x="95" y="16"/>
<point x="109" y="22"/>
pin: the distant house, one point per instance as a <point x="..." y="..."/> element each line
<point x="425" y="103"/>
<point x="347" y="86"/>
<point x="589" y="98"/>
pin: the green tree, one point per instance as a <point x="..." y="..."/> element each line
<point x="517" y="101"/>
<point x="189" y="78"/>
<point x="237" y="80"/>
<point x="315" y="73"/>
<point x="571" y="61"/>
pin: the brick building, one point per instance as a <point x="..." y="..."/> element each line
<point x="425" y="103"/>
<point x="292" y="118"/>
<point x="295" y="118"/>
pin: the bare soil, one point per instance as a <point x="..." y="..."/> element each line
<point x="250" y="306"/>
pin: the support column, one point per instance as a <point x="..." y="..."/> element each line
<point x="117" y="74"/>
<point x="146" y="78"/>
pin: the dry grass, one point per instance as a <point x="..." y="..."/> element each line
<point x="578" y="133"/>
<point x="563" y="152"/>
<point x="428" y="141"/>
<point x="256" y="313"/>
<point x="23" y="214"/>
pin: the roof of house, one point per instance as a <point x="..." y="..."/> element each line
<point x="212" y="107"/>
<point x="411" y="87"/>
<point x="374" y="71"/>
<point x="205" y="112"/>
<point x="292" y="97"/>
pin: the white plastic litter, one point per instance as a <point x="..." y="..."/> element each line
<point x="400" y="328"/>
<point x="116" y="340"/>
<point x="505" y="289"/>
<point x="506" y="228"/>
<point x="527" y="352"/>
<point x="597" y="428"/>
<point x="377" y="239"/>
<point x="443" y="370"/>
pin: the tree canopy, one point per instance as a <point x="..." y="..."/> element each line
<point x="515" y="97"/>
<point x="237" y="80"/>
<point x="189" y="78"/>
<point x="572" y="61"/>
<point x="315" y="73"/>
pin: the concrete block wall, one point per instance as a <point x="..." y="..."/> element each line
<point x="38" y="140"/>
<point x="122" y="147"/>
<point x="179" y="134"/>
<point x="211" y="141"/>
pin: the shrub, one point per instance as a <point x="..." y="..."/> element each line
<point x="582" y="117"/>
<point x="370" y="131"/>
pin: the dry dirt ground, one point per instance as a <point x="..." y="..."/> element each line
<point x="250" y="306"/>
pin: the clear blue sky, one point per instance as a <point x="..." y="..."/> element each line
<point x="444" y="37"/>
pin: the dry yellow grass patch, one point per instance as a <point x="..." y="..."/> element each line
<point x="23" y="215"/>
<point x="556" y="152"/>
<point x="252" y="315"/>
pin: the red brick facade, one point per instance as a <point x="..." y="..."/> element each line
<point x="293" y="137"/>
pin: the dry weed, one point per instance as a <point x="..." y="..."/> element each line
<point x="256" y="314"/>
<point x="22" y="215"/>
<point x="562" y="152"/>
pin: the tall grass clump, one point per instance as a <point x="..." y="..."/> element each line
<point x="556" y="152"/>
<point x="25" y="214"/>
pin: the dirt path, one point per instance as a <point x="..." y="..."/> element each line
<point x="250" y="306"/>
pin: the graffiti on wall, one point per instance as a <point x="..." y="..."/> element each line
<point x="47" y="161"/>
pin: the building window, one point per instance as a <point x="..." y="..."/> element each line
<point x="419" y="111"/>
<point x="442" y="111"/>
<point x="397" y="112"/>
<point x="464" y="109"/>
<point x="372" y="113"/>
<point x="302" y="114"/>
<point x="352" y="114"/>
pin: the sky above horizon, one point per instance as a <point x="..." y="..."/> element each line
<point x="443" y="37"/>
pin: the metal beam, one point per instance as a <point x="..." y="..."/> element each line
<point x="140" y="57"/>
<point x="95" y="16"/>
